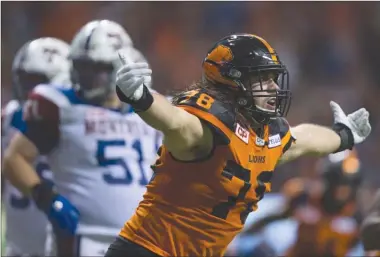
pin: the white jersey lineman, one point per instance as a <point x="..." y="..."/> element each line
<point x="26" y="226"/>
<point x="101" y="161"/>
<point x="42" y="60"/>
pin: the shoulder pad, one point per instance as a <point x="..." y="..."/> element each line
<point x="279" y="126"/>
<point x="206" y="103"/>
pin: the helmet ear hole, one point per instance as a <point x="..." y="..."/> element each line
<point x="242" y="102"/>
<point x="234" y="73"/>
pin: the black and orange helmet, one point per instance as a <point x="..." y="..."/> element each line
<point x="235" y="60"/>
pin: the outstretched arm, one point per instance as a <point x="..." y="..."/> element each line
<point x="319" y="141"/>
<point x="311" y="140"/>
<point x="184" y="133"/>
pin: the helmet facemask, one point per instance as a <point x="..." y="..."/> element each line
<point x="93" y="80"/>
<point x="259" y="98"/>
<point x="24" y="82"/>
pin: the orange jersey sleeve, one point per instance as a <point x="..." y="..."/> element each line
<point x="196" y="208"/>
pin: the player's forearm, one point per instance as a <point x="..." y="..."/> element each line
<point x="18" y="163"/>
<point x="311" y="139"/>
<point x="20" y="172"/>
<point x="317" y="140"/>
<point x="182" y="130"/>
<point x="162" y="115"/>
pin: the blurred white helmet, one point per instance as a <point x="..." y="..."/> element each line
<point x="43" y="60"/>
<point x="95" y="59"/>
<point x="99" y="40"/>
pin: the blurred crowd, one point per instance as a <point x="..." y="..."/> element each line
<point x="330" y="48"/>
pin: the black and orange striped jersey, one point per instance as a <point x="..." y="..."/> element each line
<point x="196" y="208"/>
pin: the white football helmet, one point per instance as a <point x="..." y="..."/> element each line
<point x="95" y="58"/>
<point x="43" y="60"/>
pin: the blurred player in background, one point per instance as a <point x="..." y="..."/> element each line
<point x="222" y="141"/>
<point x="40" y="61"/>
<point x="323" y="209"/>
<point x="370" y="229"/>
<point x="99" y="149"/>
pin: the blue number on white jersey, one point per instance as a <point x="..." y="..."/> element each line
<point x="103" y="161"/>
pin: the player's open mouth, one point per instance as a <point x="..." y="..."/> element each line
<point x="271" y="103"/>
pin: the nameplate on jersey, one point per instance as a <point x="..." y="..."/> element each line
<point x="260" y="141"/>
<point x="274" y="141"/>
<point x="242" y="133"/>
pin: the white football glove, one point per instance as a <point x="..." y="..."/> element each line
<point x="131" y="77"/>
<point x="357" y="121"/>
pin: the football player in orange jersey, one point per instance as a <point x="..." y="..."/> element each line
<point x="370" y="230"/>
<point x="222" y="140"/>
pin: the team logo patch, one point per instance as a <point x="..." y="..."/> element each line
<point x="274" y="141"/>
<point x="260" y="141"/>
<point x="242" y="133"/>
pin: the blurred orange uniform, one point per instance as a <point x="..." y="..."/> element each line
<point x="326" y="226"/>
<point x="326" y="237"/>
